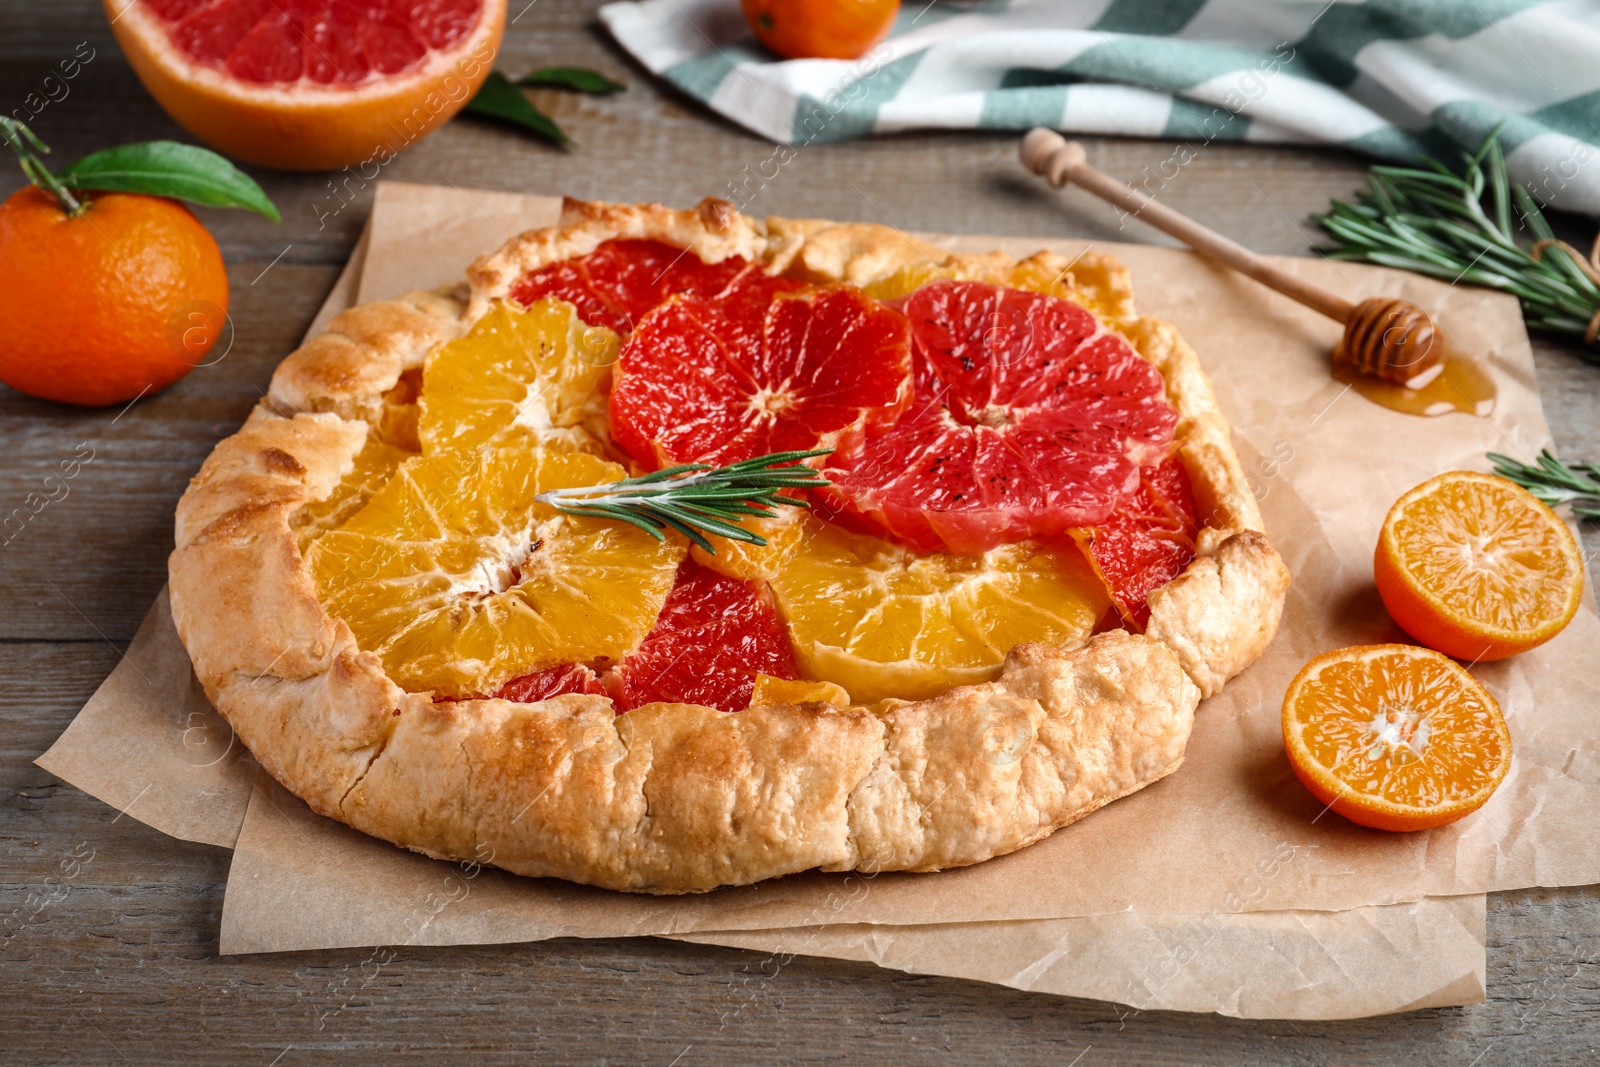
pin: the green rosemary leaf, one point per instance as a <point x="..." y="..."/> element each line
<point x="649" y="524"/>
<point x="1558" y="324"/>
<point x="1434" y="164"/>
<point x="1532" y="217"/>
<point x="1561" y="260"/>
<point x="1410" y="174"/>
<point x="702" y="519"/>
<point x="1380" y="192"/>
<point x="1476" y="160"/>
<point x="1555" y="482"/>
<point x="1358" y="234"/>
<point x="1464" y="227"/>
<point x="696" y="499"/>
<point x="1502" y="192"/>
<point x="692" y="534"/>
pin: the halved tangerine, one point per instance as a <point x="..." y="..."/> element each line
<point x="620" y="281"/>
<point x="767" y="366"/>
<point x="1395" y="737"/>
<point x="1028" y="418"/>
<point x="1477" y="567"/>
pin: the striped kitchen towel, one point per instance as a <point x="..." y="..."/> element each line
<point x="1393" y="78"/>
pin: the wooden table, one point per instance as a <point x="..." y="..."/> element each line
<point x="121" y="964"/>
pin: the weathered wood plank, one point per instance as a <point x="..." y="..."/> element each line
<point x="86" y="496"/>
<point x="123" y="967"/>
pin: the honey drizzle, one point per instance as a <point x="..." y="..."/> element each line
<point x="1461" y="386"/>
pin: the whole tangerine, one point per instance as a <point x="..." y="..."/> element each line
<point x="821" y="29"/>
<point x="119" y="299"/>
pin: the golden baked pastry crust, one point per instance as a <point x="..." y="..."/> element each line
<point x="676" y="798"/>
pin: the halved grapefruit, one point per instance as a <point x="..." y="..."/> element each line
<point x="310" y="84"/>
<point x="616" y="284"/>
<point x="1028" y="419"/>
<point x="767" y="365"/>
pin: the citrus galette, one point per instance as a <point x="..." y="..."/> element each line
<point x="1033" y="555"/>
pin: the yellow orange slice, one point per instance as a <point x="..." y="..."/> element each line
<point x="519" y="377"/>
<point x="771" y="690"/>
<point x="374" y="465"/>
<point x="397" y="419"/>
<point x="1477" y="567"/>
<point x="883" y="621"/>
<point x="460" y="580"/>
<point x="1394" y="736"/>
<point x="783" y="531"/>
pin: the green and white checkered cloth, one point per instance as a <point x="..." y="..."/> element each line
<point x="1393" y="78"/>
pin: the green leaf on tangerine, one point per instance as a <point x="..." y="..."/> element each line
<point x="167" y="168"/>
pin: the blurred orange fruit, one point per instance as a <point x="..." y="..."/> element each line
<point x="1477" y="567"/>
<point x="123" y="299"/>
<point x="1394" y="737"/>
<point x="821" y="29"/>
<point x="310" y="86"/>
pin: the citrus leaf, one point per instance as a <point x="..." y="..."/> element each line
<point x="501" y="100"/>
<point x="167" y="168"/>
<point x="580" y="78"/>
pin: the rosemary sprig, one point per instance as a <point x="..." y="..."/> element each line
<point x="1460" y="228"/>
<point x="1555" y="482"/>
<point x="696" y="499"/>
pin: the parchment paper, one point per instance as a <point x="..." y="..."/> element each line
<point x="158" y="750"/>
<point x="1264" y="965"/>
<point x="300" y="881"/>
<point x="1233" y="832"/>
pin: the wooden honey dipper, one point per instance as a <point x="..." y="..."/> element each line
<point x="1388" y="338"/>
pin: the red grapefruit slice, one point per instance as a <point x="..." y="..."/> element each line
<point x="714" y="635"/>
<point x="1146" y="542"/>
<point x="310" y="84"/>
<point x="768" y="365"/>
<point x="616" y="284"/>
<point x="1028" y="419"/>
<point x="554" y="681"/>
